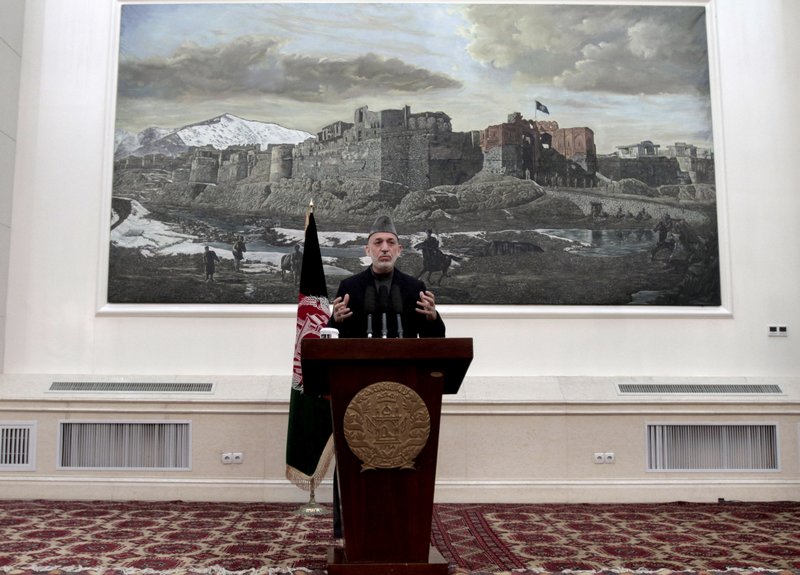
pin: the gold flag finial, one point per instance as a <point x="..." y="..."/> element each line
<point x="309" y="211"/>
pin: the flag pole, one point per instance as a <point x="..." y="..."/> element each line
<point x="312" y="507"/>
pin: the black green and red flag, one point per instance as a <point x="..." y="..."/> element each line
<point x="309" y="442"/>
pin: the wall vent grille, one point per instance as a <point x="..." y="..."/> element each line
<point x="125" y="445"/>
<point x="717" y="447"/>
<point x="132" y="386"/>
<point x="17" y="446"/>
<point x="702" y="388"/>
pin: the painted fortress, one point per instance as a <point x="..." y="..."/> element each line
<point x="417" y="150"/>
<point x="421" y="151"/>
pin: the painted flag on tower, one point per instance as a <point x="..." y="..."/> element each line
<point x="309" y="441"/>
<point x="542" y="108"/>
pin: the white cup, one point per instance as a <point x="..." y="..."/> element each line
<point x="329" y="333"/>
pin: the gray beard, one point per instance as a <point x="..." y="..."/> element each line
<point x="382" y="268"/>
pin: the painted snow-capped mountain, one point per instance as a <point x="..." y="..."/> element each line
<point x="220" y="132"/>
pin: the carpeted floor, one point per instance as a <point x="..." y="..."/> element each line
<point x="124" y="538"/>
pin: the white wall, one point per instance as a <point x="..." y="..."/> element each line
<point x="11" y="22"/>
<point x="60" y="215"/>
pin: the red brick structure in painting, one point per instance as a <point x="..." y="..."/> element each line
<point x="540" y="150"/>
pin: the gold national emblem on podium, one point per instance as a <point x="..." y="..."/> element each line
<point x="386" y="425"/>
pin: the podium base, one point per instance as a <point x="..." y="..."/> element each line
<point x="338" y="565"/>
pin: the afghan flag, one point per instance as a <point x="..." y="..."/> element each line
<point x="309" y="442"/>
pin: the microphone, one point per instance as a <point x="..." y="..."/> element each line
<point x="383" y="307"/>
<point x="369" y="307"/>
<point x="397" y="307"/>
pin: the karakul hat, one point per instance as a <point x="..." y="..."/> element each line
<point x="382" y="225"/>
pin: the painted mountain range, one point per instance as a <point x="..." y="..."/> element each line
<point x="220" y="132"/>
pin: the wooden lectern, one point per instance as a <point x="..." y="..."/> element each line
<point x="386" y="399"/>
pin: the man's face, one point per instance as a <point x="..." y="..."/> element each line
<point x="383" y="249"/>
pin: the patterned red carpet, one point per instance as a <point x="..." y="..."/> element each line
<point x="140" y="538"/>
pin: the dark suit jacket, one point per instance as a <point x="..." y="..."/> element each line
<point x="414" y="324"/>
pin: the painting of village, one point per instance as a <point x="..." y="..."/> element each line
<point x="529" y="154"/>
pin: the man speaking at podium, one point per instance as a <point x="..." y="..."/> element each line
<point x="382" y="301"/>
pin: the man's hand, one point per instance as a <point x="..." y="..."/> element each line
<point x="427" y="305"/>
<point x="340" y="310"/>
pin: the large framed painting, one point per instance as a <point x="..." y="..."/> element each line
<point x="530" y="154"/>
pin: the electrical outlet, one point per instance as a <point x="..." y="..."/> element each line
<point x="227" y="458"/>
<point x="238" y="457"/>
<point x="599" y="457"/>
<point x="609" y="457"/>
<point x="778" y="331"/>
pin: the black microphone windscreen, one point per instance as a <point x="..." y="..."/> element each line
<point x="383" y="299"/>
<point x="397" y="299"/>
<point x="369" y="300"/>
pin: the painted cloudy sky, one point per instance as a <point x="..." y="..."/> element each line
<point x="630" y="73"/>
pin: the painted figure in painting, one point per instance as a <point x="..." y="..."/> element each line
<point x="238" y="249"/>
<point x="210" y="260"/>
<point x="291" y="264"/>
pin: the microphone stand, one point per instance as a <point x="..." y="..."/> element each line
<point x="369" y="307"/>
<point x="397" y="307"/>
<point x="383" y="304"/>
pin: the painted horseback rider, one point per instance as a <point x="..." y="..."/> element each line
<point x="433" y="258"/>
<point x="666" y="237"/>
<point x="431" y="254"/>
